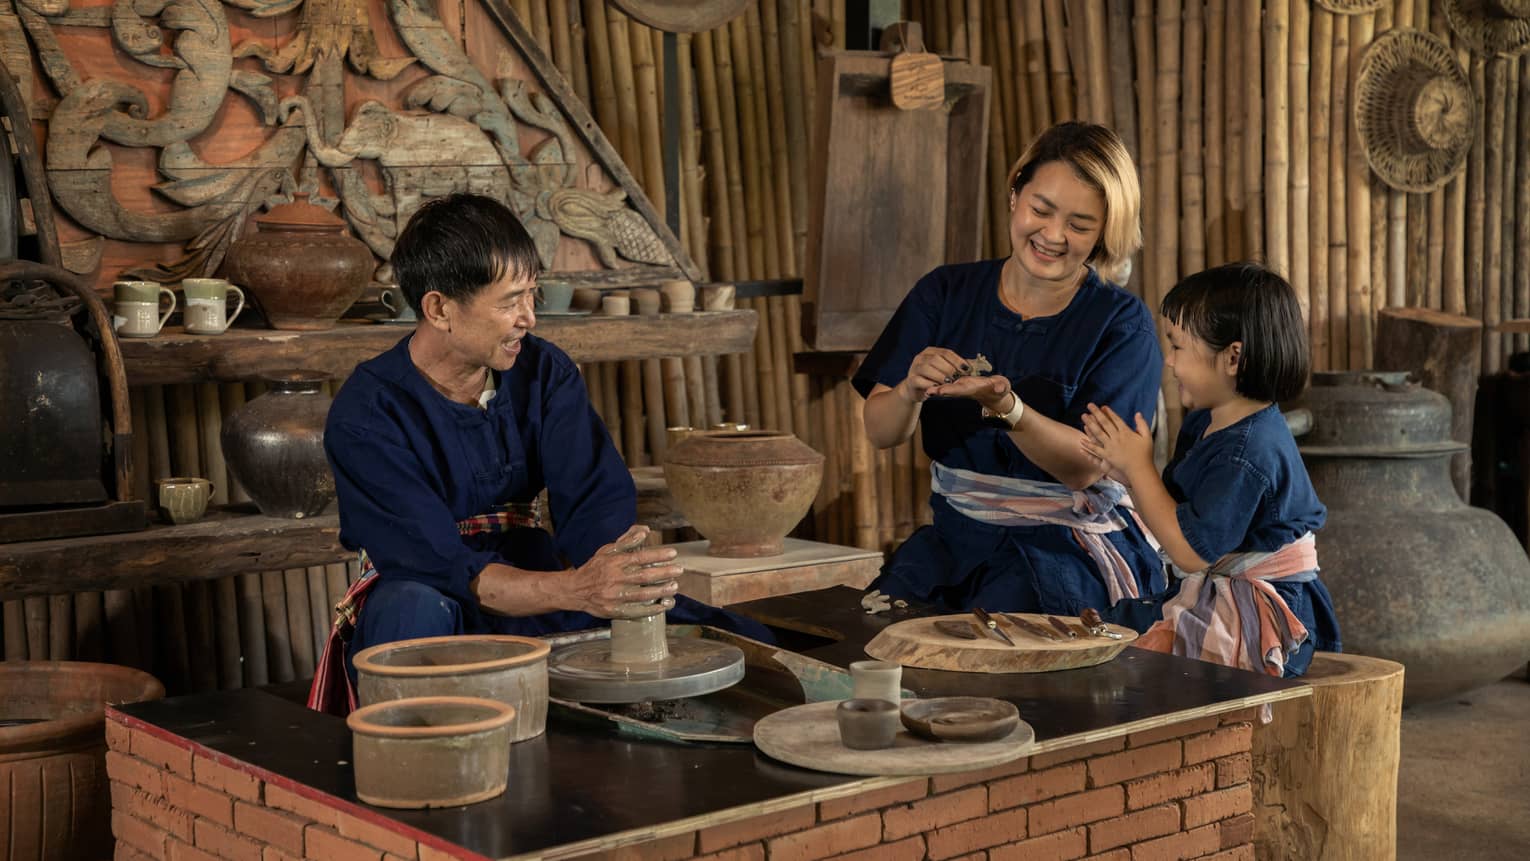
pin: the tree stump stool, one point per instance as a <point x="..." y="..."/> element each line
<point x="1325" y="769"/>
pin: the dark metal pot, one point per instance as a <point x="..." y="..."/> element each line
<point x="274" y="446"/>
<point x="1417" y="576"/>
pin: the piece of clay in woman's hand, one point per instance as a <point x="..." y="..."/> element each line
<point x="978" y="366"/>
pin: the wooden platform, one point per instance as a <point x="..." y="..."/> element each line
<point x="805" y="566"/>
<point x="242" y="354"/>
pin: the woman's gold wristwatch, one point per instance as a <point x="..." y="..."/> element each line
<point x="1012" y="417"/>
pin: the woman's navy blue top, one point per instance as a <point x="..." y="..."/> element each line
<point x="1102" y="349"/>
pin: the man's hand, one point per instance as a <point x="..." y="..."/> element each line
<point x="1123" y="450"/>
<point x="623" y="574"/>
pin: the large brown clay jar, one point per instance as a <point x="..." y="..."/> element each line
<point x="274" y="446"/>
<point x="743" y="491"/>
<point x="300" y="266"/>
<point x="53" y="755"/>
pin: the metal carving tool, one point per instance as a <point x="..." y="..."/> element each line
<point x="1030" y="627"/>
<point x="1062" y="627"/>
<point x="989" y="624"/>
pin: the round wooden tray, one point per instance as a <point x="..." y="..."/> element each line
<point x="808" y="736"/>
<point x="917" y="643"/>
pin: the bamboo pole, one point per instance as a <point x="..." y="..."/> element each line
<point x="808" y="42"/>
<point x="728" y="118"/>
<point x="724" y="254"/>
<point x="1297" y="220"/>
<point x="956" y="14"/>
<point x="1476" y="199"/>
<point x="632" y="412"/>
<point x="622" y="73"/>
<point x="1007" y="84"/>
<point x="1253" y="134"/>
<point x="172" y="646"/>
<point x="1123" y="105"/>
<point x="775" y="184"/>
<point x="781" y="364"/>
<point x="863" y="480"/>
<point x="1057" y="61"/>
<point x="1513" y="147"/>
<point x="1144" y="35"/>
<point x="690" y="153"/>
<point x="252" y="630"/>
<point x="578" y="59"/>
<point x="602" y="76"/>
<point x="1234" y="115"/>
<point x="796" y="109"/>
<point x="1192" y="174"/>
<point x="225" y="597"/>
<point x="939" y="29"/>
<point x="158" y="432"/>
<point x="1492" y="283"/>
<point x="143" y="487"/>
<point x="299" y="633"/>
<point x="1321" y="89"/>
<point x="1166" y="91"/>
<point x="35" y="608"/>
<point x="1043" y="115"/>
<point x="798" y="383"/>
<point x="318" y="610"/>
<point x="60" y="627"/>
<point x="121" y="623"/>
<point x="762" y="262"/>
<point x="646" y="84"/>
<point x="1277" y="129"/>
<point x="88" y="636"/>
<point x="1098" y="61"/>
<point x="886" y="515"/>
<point x="609" y="374"/>
<point x="278" y="635"/>
<point x="1360" y="284"/>
<point x="16" y="630"/>
<point x="201" y="648"/>
<point x="1521" y="269"/>
<point x="231" y="397"/>
<point x="1079" y="57"/>
<point x="828" y="428"/>
<point x="998" y="168"/>
<point x="677" y="411"/>
<point x="1381" y="210"/>
<point x="1338" y="201"/>
<point x="556" y="13"/>
<point x="541" y="32"/>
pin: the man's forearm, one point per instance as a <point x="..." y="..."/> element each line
<point x="509" y="591"/>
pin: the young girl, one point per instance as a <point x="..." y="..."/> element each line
<point x="1235" y="510"/>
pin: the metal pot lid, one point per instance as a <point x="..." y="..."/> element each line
<point x="683" y="16"/>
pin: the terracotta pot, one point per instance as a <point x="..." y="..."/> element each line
<point x="743" y="491"/>
<point x="509" y="669"/>
<point x="53" y="755"/>
<point x="300" y="265"/>
<point x="274" y="446"/>
<point x="1416" y="575"/>
<point x="431" y="751"/>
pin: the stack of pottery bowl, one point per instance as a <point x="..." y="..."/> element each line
<point x="439" y="715"/>
<point x="743" y="491"/>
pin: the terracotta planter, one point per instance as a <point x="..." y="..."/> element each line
<point x="53" y="755"/>
<point x="274" y="446"/>
<point x="743" y="491"/>
<point x="301" y="266"/>
<point x="509" y="669"/>
<point x="431" y="751"/>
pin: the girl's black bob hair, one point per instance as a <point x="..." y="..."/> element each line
<point x="1247" y="303"/>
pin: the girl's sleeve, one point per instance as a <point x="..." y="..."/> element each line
<point x="1221" y="505"/>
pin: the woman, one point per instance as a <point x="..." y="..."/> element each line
<point x="1024" y="520"/>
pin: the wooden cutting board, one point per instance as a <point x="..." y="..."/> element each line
<point x="916" y="643"/>
<point x="808" y="736"/>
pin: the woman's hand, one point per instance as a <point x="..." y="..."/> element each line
<point x="1122" y="450"/>
<point x="992" y="392"/>
<point x="933" y="367"/>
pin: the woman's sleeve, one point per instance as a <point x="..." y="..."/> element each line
<point x="911" y="329"/>
<point x="391" y="506"/>
<point x="589" y="487"/>
<point x="1124" y="374"/>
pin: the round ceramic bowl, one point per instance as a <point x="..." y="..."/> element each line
<point x="502" y="667"/>
<point x="961" y="718"/>
<point x="431" y="751"/>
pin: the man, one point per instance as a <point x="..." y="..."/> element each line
<point x="441" y="445"/>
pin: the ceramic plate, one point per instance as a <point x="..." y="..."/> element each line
<point x="569" y="313"/>
<point x="960" y="718"/>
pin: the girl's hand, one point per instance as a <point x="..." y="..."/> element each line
<point x="992" y="392"/>
<point x="1121" y="448"/>
<point x="932" y="368"/>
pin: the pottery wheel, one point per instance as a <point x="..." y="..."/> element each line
<point x="584" y="672"/>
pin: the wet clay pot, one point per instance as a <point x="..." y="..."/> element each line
<point x="1416" y="575"/>
<point x="743" y="491"/>
<point x="53" y="755"/>
<point x="431" y="751"/>
<point x="301" y="266"/>
<point x="502" y="667"/>
<point x="274" y="446"/>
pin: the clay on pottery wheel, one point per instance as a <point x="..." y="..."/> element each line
<point x="53" y="755"/>
<point x="502" y="667"/>
<point x="301" y="266"/>
<point x="431" y="751"/>
<point x="743" y="491"/>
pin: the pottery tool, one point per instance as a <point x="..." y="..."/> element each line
<point x="640" y="661"/>
<point x="990" y="626"/>
<point x="1090" y="618"/>
<point x="1061" y="627"/>
<point x="1029" y="627"/>
<point x="957" y="628"/>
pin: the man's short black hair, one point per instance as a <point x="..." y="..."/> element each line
<point x="458" y="245"/>
<point x="1248" y="303"/>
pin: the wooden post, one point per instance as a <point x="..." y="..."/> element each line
<point x="1442" y="351"/>
<point x="1325" y="770"/>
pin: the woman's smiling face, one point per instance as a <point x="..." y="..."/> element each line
<point x="1055" y="223"/>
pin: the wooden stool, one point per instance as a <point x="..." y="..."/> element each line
<point x="1325" y="769"/>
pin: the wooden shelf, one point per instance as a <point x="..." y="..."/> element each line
<point x="234" y="539"/>
<point x="242" y="354"/>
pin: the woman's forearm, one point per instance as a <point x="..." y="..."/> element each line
<point x="890" y="416"/>
<point x="1057" y="449"/>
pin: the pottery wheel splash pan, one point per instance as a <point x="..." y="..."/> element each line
<point x="808" y="736"/>
<point x="584" y="672"/>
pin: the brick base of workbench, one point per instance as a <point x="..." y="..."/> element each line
<point x="1177" y="792"/>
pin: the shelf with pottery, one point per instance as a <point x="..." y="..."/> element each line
<point x="173" y="356"/>
<point x="232" y="539"/>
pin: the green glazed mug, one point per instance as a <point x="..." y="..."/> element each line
<point x="137" y="309"/>
<point x="207" y="305"/>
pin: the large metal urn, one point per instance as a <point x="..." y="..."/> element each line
<point x="1417" y="576"/>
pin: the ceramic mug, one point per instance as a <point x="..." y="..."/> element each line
<point x="184" y="499"/>
<point x="137" y="308"/>
<point x="554" y="297"/>
<point x="615" y="305"/>
<point x="679" y="296"/>
<point x="867" y="724"/>
<point x="877" y="680"/>
<point x="392" y="298"/>
<point x="207" y="305"/>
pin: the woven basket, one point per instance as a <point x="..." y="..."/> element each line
<point x="1414" y="110"/>
<point x="1490" y="27"/>
<point x="1351" y="7"/>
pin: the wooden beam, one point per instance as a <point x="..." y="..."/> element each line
<point x="244" y="354"/>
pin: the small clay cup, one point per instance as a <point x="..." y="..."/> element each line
<point x="679" y="296"/>
<point x="615" y="305"/>
<point x="867" y="724"/>
<point x="585" y="299"/>
<point x="645" y="301"/>
<point x="877" y="680"/>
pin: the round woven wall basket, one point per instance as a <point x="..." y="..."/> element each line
<point x="1414" y="110"/>
<point x="1351" y="7"/>
<point x="1490" y="27"/>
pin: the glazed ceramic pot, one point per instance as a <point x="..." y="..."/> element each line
<point x="1416" y="575"/>
<point x="53" y="754"/>
<point x="502" y="667"/>
<point x="300" y="265"/>
<point x="743" y="491"/>
<point x="431" y="751"/>
<point x="274" y="446"/>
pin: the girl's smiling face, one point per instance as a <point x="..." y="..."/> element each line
<point x="1206" y="379"/>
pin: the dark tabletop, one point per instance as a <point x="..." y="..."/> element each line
<point x="577" y="783"/>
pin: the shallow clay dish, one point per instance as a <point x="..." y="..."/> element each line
<point x="960" y="718"/>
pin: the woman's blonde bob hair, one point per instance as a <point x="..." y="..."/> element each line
<point x="1099" y="158"/>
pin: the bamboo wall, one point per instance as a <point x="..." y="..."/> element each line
<point x="1241" y="128"/>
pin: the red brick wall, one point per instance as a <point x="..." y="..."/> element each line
<point x="1172" y="793"/>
